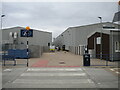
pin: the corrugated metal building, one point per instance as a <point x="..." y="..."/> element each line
<point x="95" y="43"/>
<point x="75" y="38"/>
<point x="109" y="47"/>
<point x="37" y="44"/>
<point x="116" y="17"/>
<point x="115" y="44"/>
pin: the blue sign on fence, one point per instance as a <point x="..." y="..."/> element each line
<point x="26" y="33"/>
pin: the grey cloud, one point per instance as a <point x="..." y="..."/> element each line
<point x="56" y="17"/>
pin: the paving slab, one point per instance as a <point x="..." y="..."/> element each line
<point x="59" y="59"/>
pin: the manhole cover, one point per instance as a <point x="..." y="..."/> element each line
<point x="61" y="62"/>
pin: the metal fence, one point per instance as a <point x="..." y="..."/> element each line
<point x="105" y="60"/>
<point x="36" y="51"/>
<point x="111" y="60"/>
<point x="19" y="52"/>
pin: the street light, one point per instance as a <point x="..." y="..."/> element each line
<point x="101" y="38"/>
<point x="1" y="29"/>
<point x="1" y="20"/>
<point x="100" y="19"/>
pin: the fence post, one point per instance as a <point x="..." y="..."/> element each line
<point x="107" y="60"/>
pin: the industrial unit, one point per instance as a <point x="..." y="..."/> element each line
<point x="39" y="41"/>
<point x="74" y="39"/>
<point x="77" y="36"/>
<point x="115" y="44"/>
<point x="109" y="47"/>
<point x="95" y="45"/>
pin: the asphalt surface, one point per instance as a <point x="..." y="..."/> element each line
<point x="59" y="78"/>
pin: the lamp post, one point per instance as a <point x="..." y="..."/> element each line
<point x="1" y="28"/>
<point x="1" y="36"/>
<point x="1" y="20"/>
<point x="101" y="38"/>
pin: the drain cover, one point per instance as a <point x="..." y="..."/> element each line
<point x="61" y="62"/>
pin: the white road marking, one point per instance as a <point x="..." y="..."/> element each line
<point x="116" y="68"/>
<point x="53" y="74"/>
<point x="7" y="70"/>
<point x="98" y="83"/>
<point x="31" y="81"/>
<point x="54" y="69"/>
<point x="117" y="72"/>
<point x="90" y="81"/>
<point x="112" y="69"/>
<point x="84" y="69"/>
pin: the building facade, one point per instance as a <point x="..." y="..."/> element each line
<point x="109" y="46"/>
<point x="115" y="45"/>
<point x="97" y="47"/>
<point x="11" y="39"/>
<point x="76" y="37"/>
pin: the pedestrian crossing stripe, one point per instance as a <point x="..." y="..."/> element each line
<point x="32" y="81"/>
<point x="53" y="74"/>
<point x="54" y="69"/>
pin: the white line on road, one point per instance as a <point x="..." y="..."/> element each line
<point x="31" y="81"/>
<point x="112" y="69"/>
<point x="90" y="81"/>
<point x="54" y="69"/>
<point x="117" y="72"/>
<point x="7" y="70"/>
<point x="53" y="74"/>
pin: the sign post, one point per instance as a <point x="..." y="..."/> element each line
<point x="27" y="28"/>
<point x="27" y="32"/>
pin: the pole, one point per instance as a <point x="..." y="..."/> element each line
<point x="1" y="22"/>
<point x="106" y="61"/>
<point x="101" y="38"/>
<point x="27" y="49"/>
<point x="112" y="45"/>
<point x="2" y="38"/>
<point x="27" y="29"/>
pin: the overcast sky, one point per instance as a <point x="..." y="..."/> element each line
<point x="56" y="17"/>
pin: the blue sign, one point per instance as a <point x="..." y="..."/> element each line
<point x="26" y="33"/>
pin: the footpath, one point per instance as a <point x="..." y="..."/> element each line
<point x="60" y="59"/>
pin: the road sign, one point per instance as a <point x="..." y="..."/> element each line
<point x="26" y="33"/>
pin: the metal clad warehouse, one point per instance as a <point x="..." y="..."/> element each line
<point x="37" y="44"/>
<point x="75" y="38"/>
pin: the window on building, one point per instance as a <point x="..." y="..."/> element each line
<point x="98" y="40"/>
<point x="117" y="46"/>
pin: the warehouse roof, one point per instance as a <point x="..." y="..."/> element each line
<point x="112" y="29"/>
<point x="97" y="32"/>
<point x="89" y="25"/>
<point x="107" y="31"/>
<point x="95" y="24"/>
<point x="116" y="17"/>
<point x="18" y="27"/>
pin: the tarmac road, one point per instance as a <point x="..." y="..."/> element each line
<point x="59" y="78"/>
